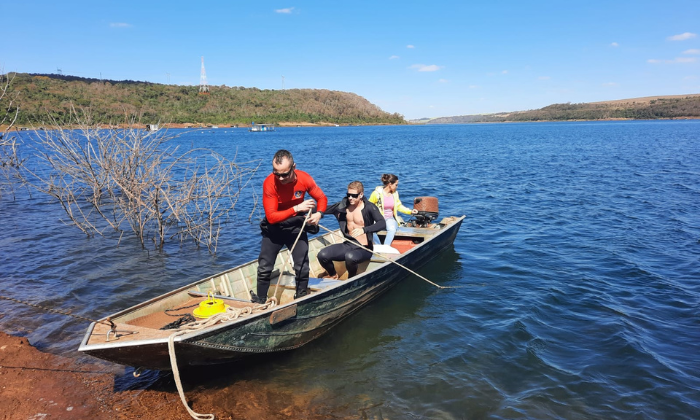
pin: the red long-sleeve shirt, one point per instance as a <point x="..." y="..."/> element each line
<point x="279" y="199"/>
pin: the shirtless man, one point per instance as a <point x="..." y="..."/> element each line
<point x="358" y="220"/>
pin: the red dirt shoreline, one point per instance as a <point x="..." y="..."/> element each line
<point x="37" y="385"/>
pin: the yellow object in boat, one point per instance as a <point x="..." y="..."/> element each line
<point x="210" y="307"/>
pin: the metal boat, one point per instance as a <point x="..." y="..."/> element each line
<point x="135" y="336"/>
<point x="262" y="127"/>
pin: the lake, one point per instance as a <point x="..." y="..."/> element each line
<point x="579" y="257"/>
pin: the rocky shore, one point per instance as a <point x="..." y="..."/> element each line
<point x="36" y="385"/>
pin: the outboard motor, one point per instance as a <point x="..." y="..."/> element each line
<point x="427" y="211"/>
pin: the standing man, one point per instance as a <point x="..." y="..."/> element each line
<point x="285" y="209"/>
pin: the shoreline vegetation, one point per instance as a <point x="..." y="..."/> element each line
<point x="46" y="101"/>
<point x="143" y="126"/>
<point x="49" y="100"/>
<point x="647" y="108"/>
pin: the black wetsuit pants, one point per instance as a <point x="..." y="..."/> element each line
<point x="272" y="243"/>
<point x="352" y="254"/>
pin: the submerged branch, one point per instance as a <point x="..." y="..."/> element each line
<point x="119" y="178"/>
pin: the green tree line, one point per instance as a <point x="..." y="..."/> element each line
<point x="661" y="108"/>
<point x="109" y="102"/>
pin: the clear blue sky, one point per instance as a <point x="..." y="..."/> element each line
<point x="420" y="59"/>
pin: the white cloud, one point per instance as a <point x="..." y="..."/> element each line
<point x="393" y="57"/>
<point x="409" y="46"/>
<point x="423" y="67"/>
<point x="544" y="78"/>
<point x="690" y="77"/>
<point x="692" y="51"/>
<point x="682" y="37"/>
<point x="443" y="81"/>
<point x="120" y="25"/>
<point x="504" y="72"/>
<point x="614" y="44"/>
<point x="473" y="86"/>
<point x="680" y="60"/>
<point x="611" y="84"/>
<point x="286" y="11"/>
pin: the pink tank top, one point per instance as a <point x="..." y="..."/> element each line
<point x="388" y="206"/>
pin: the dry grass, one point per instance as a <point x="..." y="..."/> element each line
<point x="644" y="100"/>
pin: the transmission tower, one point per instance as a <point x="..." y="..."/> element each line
<point x="203" y="87"/>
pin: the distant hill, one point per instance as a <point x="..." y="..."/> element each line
<point x="647" y="108"/>
<point x="110" y="100"/>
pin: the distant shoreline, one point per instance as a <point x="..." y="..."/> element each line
<point x="646" y="108"/>
<point x="194" y="126"/>
<point x="550" y="121"/>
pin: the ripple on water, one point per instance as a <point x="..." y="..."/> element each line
<point x="579" y="255"/>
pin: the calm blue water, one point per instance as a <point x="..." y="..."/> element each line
<point x="580" y="255"/>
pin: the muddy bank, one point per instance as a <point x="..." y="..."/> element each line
<point x="37" y="385"/>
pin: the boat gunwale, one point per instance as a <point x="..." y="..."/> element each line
<point x="312" y="296"/>
<point x="191" y="337"/>
<point x="187" y="286"/>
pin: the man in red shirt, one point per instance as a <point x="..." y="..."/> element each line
<point x="285" y="208"/>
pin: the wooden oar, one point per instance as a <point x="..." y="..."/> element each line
<point x="388" y="259"/>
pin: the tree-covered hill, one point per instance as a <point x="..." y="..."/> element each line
<point x="42" y="95"/>
<point x="680" y="106"/>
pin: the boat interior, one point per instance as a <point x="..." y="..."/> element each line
<point x="154" y="319"/>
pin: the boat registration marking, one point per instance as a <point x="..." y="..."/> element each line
<point x="283" y="314"/>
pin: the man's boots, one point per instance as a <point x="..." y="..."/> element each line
<point x="257" y="299"/>
<point x="302" y="289"/>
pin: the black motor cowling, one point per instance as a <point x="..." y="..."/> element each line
<point x="427" y="210"/>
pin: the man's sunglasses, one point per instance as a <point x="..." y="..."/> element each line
<point x="284" y="175"/>
<point x="353" y="195"/>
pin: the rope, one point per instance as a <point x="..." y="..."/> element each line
<point x="289" y="261"/>
<point x="179" y="309"/>
<point x="388" y="259"/>
<point x="185" y="319"/>
<point x="178" y="382"/>
<point x="229" y="315"/>
<point x="56" y="311"/>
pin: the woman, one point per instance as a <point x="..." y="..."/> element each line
<point x="387" y="199"/>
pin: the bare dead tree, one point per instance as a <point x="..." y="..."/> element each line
<point x="10" y="160"/>
<point x="138" y="180"/>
